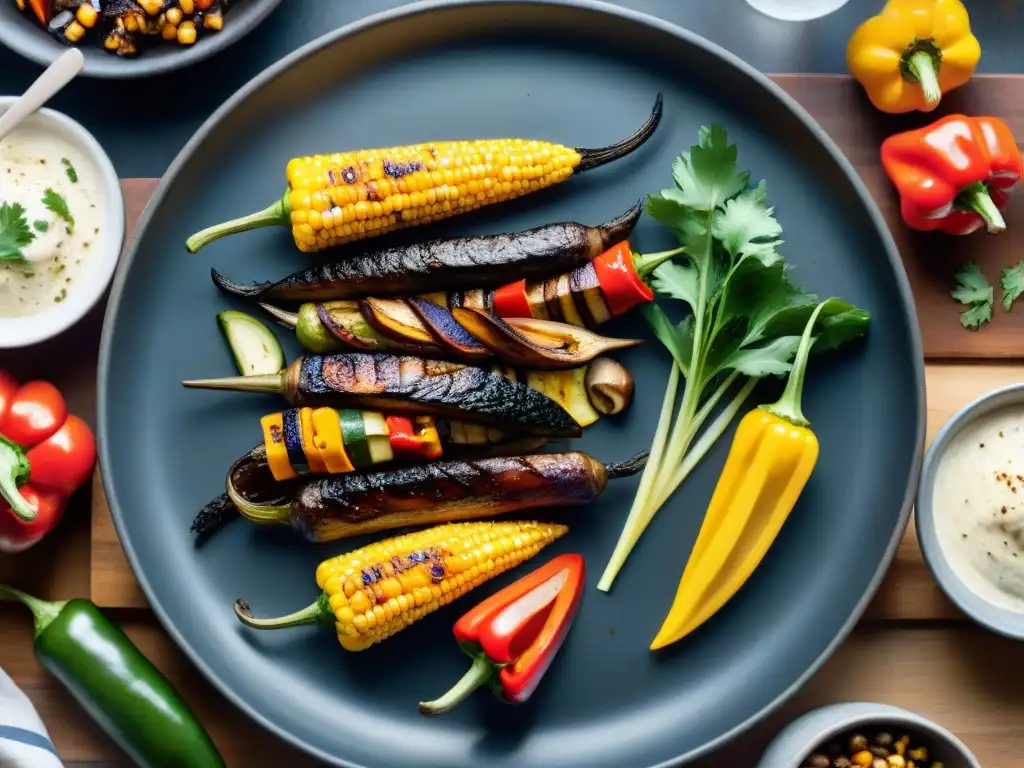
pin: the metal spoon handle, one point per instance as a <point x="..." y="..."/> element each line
<point x="56" y="76"/>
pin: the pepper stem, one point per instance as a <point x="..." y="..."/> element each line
<point x="921" y="66"/>
<point x="976" y="197"/>
<point x="14" y="471"/>
<point x="261" y="514"/>
<point x="318" y="612"/>
<point x="646" y="263"/>
<point x="788" y="406"/>
<point x="42" y="611"/>
<point x="478" y="675"/>
<point x="277" y="215"/>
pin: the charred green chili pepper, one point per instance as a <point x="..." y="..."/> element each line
<point x="116" y="685"/>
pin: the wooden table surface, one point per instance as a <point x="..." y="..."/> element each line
<point x="913" y="648"/>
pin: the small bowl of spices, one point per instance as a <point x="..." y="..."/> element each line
<point x="970" y="510"/>
<point x="866" y="735"/>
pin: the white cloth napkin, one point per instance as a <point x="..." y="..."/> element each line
<point x="24" y="742"/>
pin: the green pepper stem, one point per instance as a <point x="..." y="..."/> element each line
<point x="43" y="612"/>
<point x="261" y="514"/>
<point x="318" y="612"/>
<point x="14" y="471"/>
<point x="921" y="66"/>
<point x="478" y="675"/>
<point x="277" y="215"/>
<point x="271" y="383"/>
<point x="646" y="263"/>
<point x="976" y="197"/>
<point x="788" y="406"/>
<point x="285" y="318"/>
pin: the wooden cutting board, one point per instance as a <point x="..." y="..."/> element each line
<point x="840" y="106"/>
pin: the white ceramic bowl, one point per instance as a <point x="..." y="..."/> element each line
<point x="94" y="279"/>
<point x="805" y="735"/>
<point x="996" y="618"/>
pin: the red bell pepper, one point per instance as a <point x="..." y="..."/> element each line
<point x="45" y="455"/>
<point x="620" y="282"/>
<point x="513" y="636"/>
<point x="419" y="440"/>
<point x="954" y="175"/>
<point x="511" y="301"/>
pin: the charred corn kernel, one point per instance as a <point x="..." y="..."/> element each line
<point x="213" y="20"/>
<point x="897" y="761"/>
<point x="86" y="15"/>
<point x="152" y="7"/>
<point x="918" y="753"/>
<point x="174" y="17"/>
<point x="74" y="32"/>
<point x="188" y="7"/>
<point x="863" y="758"/>
<point x="169" y="32"/>
<point x="422" y="558"/>
<point x="187" y="32"/>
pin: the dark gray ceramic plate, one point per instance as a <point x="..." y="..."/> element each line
<point x="22" y="34"/>
<point x="581" y="74"/>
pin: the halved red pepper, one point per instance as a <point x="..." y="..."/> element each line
<point x="954" y="175"/>
<point x="45" y="455"/>
<point x="513" y="636"/>
<point x="419" y="440"/>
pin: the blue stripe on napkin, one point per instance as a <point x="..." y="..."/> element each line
<point x="23" y="736"/>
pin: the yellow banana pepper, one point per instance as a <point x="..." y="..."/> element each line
<point x="912" y="52"/>
<point x="771" y="459"/>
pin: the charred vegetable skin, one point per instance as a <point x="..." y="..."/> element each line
<point x="121" y="25"/>
<point x="454" y="264"/>
<point x="409" y="385"/>
<point x="340" y="506"/>
<point x="374" y="592"/>
<point x="340" y="198"/>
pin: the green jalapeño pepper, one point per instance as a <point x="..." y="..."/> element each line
<point x="116" y="685"/>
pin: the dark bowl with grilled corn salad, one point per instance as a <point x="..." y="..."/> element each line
<point x="126" y="38"/>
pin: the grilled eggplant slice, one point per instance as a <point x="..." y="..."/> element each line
<point x="403" y="384"/>
<point x="441" y="265"/>
<point x="332" y="507"/>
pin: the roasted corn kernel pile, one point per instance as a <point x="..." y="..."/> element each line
<point x="122" y="26"/>
<point x="883" y="751"/>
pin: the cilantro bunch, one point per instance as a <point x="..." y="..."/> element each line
<point x="744" y="320"/>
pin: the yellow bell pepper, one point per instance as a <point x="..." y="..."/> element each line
<point x="771" y="459"/>
<point x="912" y="52"/>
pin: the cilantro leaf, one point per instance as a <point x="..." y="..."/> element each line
<point x="839" y="328"/>
<point x="14" y="232"/>
<point x="747" y="226"/>
<point x="1012" y="281"/>
<point x="979" y="313"/>
<point x="677" y="281"/>
<point x="771" y="359"/>
<point x="678" y="339"/>
<point x="975" y="292"/>
<point x="707" y="174"/>
<point x="54" y="202"/>
<point x="69" y="169"/>
<point x="40" y="226"/>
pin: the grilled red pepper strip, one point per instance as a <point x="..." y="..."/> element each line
<point x="510" y="300"/>
<point x="420" y="440"/>
<point x="45" y="455"/>
<point x="954" y="175"/>
<point x="513" y="636"/>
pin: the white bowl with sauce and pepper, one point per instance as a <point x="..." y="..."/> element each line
<point x="970" y="510"/>
<point x="61" y="226"/>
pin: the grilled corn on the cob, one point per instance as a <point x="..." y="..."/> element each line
<point x="380" y="589"/>
<point x="336" y="199"/>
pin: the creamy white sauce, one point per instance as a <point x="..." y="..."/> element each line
<point x="31" y="162"/>
<point x="979" y="506"/>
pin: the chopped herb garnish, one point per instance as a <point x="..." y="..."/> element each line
<point x="54" y="202"/>
<point x="69" y="169"/>
<point x="14" y="232"/>
<point x="1012" y="281"/>
<point x="40" y="226"/>
<point x="975" y="292"/>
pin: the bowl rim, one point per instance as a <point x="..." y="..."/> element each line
<point x="19" y="332"/>
<point x="28" y="46"/>
<point x="1000" y="620"/>
<point x="850" y="715"/>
